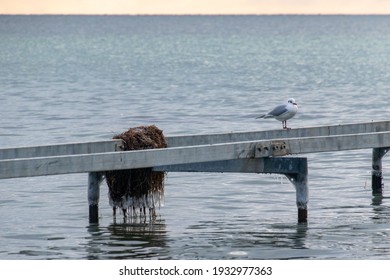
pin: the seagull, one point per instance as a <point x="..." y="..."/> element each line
<point x="282" y="112"/>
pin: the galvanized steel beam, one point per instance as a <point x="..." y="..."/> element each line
<point x="281" y="165"/>
<point x="192" y="140"/>
<point x="189" y="154"/>
<point x="61" y="149"/>
<point x="342" y="129"/>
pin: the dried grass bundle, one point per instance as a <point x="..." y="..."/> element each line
<point x="133" y="189"/>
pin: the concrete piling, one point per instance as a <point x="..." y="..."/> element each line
<point x="376" y="177"/>
<point x="299" y="180"/>
<point x="94" y="180"/>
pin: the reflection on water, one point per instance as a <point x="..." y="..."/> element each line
<point x="230" y="241"/>
<point x="245" y="237"/>
<point x="124" y="239"/>
<point x="145" y="240"/>
<point x="381" y="212"/>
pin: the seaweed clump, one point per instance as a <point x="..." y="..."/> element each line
<point x="143" y="188"/>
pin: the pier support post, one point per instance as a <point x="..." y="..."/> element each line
<point x="94" y="180"/>
<point x="299" y="181"/>
<point x="376" y="178"/>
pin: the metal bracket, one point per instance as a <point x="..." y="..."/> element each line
<point x="120" y="146"/>
<point x="272" y="148"/>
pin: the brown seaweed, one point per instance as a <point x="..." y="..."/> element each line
<point x="142" y="188"/>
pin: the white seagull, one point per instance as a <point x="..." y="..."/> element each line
<point x="282" y="112"/>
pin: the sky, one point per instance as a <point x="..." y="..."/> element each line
<point x="135" y="7"/>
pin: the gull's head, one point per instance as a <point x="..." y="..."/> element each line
<point x="292" y="101"/>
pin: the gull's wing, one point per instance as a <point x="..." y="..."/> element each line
<point x="278" y="110"/>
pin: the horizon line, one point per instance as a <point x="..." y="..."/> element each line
<point x="195" y="14"/>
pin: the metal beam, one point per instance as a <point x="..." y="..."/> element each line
<point x="123" y="160"/>
<point x="354" y="128"/>
<point x="191" y="154"/>
<point x="319" y="144"/>
<point x="280" y="165"/>
<point x="192" y="140"/>
<point x="61" y="149"/>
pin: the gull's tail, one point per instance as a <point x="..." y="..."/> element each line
<point x="261" y="117"/>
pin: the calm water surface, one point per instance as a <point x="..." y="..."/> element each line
<point x="86" y="78"/>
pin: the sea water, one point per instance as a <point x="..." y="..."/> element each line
<point x="86" y="78"/>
